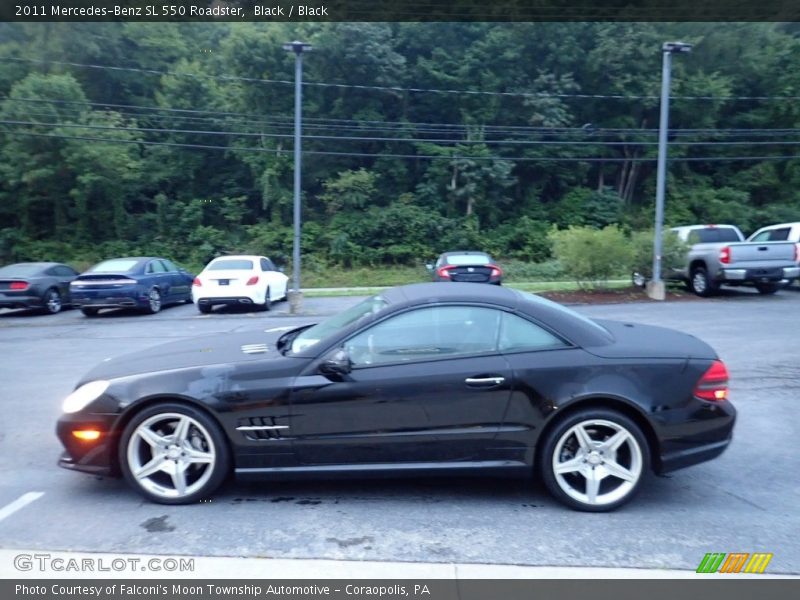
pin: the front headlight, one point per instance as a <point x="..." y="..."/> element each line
<point x="83" y="395"/>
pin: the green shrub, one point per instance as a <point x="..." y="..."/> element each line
<point x="673" y="252"/>
<point x="592" y="256"/>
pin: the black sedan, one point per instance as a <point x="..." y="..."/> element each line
<point x="421" y="378"/>
<point x="42" y="285"/>
<point x="467" y="266"/>
<point x="146" y="283"/>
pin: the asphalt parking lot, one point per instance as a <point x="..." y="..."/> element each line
<point x="745" y="501"/>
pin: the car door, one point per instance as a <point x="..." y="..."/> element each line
<point x="427" y="385"/>
<point x="156" y="274"/>
<point x="179" y="285"/>
<point x="64" y="275"/>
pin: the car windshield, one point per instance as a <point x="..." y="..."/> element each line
<point x="468" y="259"/>
<point x="328" y="327"/>
<point x="231" y="265"/>
<point x="20" y="270"/>
<point x="114" y="266"/>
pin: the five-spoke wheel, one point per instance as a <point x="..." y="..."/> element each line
<point x="173" y="454"/>
<point x="594" y="460"/>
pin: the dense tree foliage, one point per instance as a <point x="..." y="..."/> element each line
<point x="418" y="137"/>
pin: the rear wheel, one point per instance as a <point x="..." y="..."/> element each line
<point x="594" y="460"/>
<point x="89" y="312"/>
<point x="767" y="288"/>
<point x="700" y="282"/>
<point x="267" y="304"/>
<point x="204" y="308"/>
<point x="638" y="280"/>
<point x="173" y="454"/>
<point x="153" y="302"/>
<point x="52" y="301"/>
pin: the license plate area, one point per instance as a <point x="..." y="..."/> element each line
<point x="224" y="281"/>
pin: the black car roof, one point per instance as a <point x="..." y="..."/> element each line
<point x="575" y="327"/>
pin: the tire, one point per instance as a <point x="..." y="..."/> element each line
<point x="701" y="284"/>
<point x="638" y="280"/>
<point x="89" y="312"/>
<point x="204" y="308"/>
<point x="51" y="302"/>
<point x="767" y="288"/>
<point x="167" y="470"/>
<point x="267" y="305"/>
<point x="631" y="458"/>
<point x="154" y="302"/>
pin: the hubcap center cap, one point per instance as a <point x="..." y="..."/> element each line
<point x="594" y="458"/>
<point x="173" y="452"/>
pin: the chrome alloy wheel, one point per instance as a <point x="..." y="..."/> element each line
<point x="171" y="455"/>
<point x="597" y="462"/>
<point x="53" y="302"/>
<point x="699" y="282"/>
<point x="154" y="299"/>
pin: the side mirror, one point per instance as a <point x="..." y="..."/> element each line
<point x="429" y="266"/>
<point x="281" y="270"/>
<point x="336" y="363"/>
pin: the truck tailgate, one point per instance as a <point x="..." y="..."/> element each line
<point x="761" y="254"/>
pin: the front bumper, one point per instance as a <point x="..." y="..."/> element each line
<point x="96" y="457"/>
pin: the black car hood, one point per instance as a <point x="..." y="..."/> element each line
<point x="633" y="340"/>
<point x="223" y="348"/>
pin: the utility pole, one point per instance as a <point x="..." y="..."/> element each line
<point x="295" y="297"/>
<point x="655" y="287"/>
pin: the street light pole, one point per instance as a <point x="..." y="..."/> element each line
<point x="295" y="297"/>
<point x="655" y="287"/>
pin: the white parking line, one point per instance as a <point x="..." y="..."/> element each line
<point x="21" y="502"/>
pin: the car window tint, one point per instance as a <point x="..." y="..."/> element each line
<point x="265" y="266"/>
<point x="231" y="265"/>
<point x="65" y="272"/>
<point x="114" y="266"/>
<point x="468" y="259"/>
<point x="779" y="235"/>
<point x="712" y="235"/>
<point x="169" y="265"/>
<point x="156" y="266"/>
<point x="761" y="237"/>
<point x="517" y="333"/>
<point x="426" y="333"/>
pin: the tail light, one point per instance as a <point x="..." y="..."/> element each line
<point x="725" y="255"/>
<point x="197" y="282"/>
<point x="713" y="385"/>
<point x="19" y="285"/>
<point x="253" y="280"/>
<point x="797" y="253"/>
<point x="443" y="271"/>
<point x="496" y="271"/>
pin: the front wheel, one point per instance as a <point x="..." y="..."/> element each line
<point x="594" y="460"/>
<point x="638" y="280"/>
<point x="173" y="454"/>
<point x="767" y="288"/>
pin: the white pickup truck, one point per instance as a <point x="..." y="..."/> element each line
<point x="719" y="255"/>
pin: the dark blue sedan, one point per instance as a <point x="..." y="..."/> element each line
<point x="146" y="283"/>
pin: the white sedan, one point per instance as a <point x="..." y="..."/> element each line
<point x="239" y="280"/>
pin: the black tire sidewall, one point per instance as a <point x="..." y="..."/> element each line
<point x="46" y="298"/>
<point x="221" y="467"/>
<point x="89" y="312"/>
<point x="548" y="446"/>
<point x="710" y="286"/>
<point x="148" y="309"/>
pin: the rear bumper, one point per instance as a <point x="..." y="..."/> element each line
<point x="131" y="299"/>
<point x="700" y="432"/>
<point x="229" y="300"/>
<point x="760" y="275"/>
<point x="27" y="301"/>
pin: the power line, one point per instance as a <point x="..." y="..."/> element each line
<point x="402" y="89"/>
<point x="408" y="156"/>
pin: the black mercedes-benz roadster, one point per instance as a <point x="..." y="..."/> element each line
<point x="421" y="378"/>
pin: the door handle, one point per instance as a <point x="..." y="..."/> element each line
<point x="484" y="381"/>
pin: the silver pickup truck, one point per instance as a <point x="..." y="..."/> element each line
<point x="719" y="254"/>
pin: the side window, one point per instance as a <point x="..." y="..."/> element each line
<point x="427" y="333"/>
<point x="155" y="266"/>
<point x="780" y="235"/>
<point x="762" y="237"/>
<point x="169" y="265"/>
<point x="265" y="266"/>
<point x="693" y="237"/>
<point x="518" y="334"/>
<point x="64" y="272"/>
